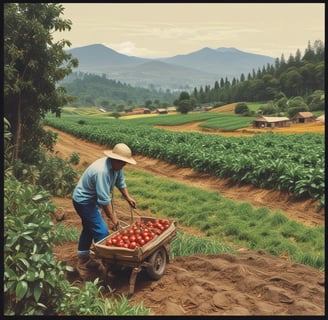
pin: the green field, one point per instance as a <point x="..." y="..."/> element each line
<point x="292" y="163"/>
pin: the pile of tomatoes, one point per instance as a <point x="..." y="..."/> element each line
<point x="138" y="234"/>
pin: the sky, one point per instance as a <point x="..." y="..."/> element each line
<point x="158" y="30"/>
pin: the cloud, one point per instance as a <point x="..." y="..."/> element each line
<point x="129" y="48"/>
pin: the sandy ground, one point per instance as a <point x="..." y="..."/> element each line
<point x="250" y="283"/>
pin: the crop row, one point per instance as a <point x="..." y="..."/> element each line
<point x="290" y="163"/>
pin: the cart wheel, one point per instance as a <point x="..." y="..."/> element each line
<point x="157" y="264"/>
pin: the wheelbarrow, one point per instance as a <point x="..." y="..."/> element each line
<point x="152" y="256"/>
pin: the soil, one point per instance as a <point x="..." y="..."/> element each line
<point x="247" y="283"/>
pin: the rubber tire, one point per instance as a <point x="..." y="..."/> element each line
<point x="157" y="264"/>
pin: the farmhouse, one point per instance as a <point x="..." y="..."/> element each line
<point x="271" y="122"/>
<point x="141" y="110"/>
<point x="171" y="109"/>
<point x="303" y="117"/>
<point x="161" y="110"/>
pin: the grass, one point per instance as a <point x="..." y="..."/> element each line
<point x="228" y="221"/>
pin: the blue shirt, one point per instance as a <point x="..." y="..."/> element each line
<point x="97" y="182"/>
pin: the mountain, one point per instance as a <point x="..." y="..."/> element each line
<point x="224" y="61"/>
<point x="199" y="68"/>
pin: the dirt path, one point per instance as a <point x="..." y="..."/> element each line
<point x="250" y="283"/>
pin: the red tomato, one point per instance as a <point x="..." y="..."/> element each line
<point x="146" y="238"/>
<point x="109" y="242"/>
<point x="132" y="238"/>
<point x="138" y="223"/>
<point x="131" y="231"/>
<point x="144" y="234"/>
<point x="118" y="237"/>
<point x="141" y="242"/>
<point x="124" y="232"/>
<point x="114" y="241"/>
<point x="149" y="223"/>
<point x="138" y="231"/>
<point x="166" y="225"/>
<point x="132" y="245"/>
<point x="158" y="232"/>
<point x="125" y="239"/>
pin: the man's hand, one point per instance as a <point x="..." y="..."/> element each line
<point x="132" y="202"/>
<point x="117" y="226"/>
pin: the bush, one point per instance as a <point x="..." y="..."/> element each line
<point x="241" y="108"/>
<point x="53" y="174"/>
<point x="74" y="158"/>
<point x="31" y="274"/>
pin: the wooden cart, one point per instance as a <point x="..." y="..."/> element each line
<point x="153" y="256"/>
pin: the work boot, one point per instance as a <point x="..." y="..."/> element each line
<point x="81" y="266"/>
<point x="85" y="262"/>
<point x="92" y="264"/>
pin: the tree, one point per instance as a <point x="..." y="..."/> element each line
<point x="33" y="64"/>
<point x="241" y="108"/>
<point x="184" y="104"/>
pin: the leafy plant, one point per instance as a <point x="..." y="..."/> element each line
<point x="31" y="274"/>
<point x="74" y="158"/>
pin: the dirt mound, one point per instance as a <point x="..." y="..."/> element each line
<point x="250" y="283"/>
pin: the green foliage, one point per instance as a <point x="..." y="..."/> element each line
<point x="92" y="90"/>
<point x="31" y="275"/>
<point x="186" y="244"/>
<point x="57" y="176"/>
<point x="184" y="104"/>
<point x="74" y="158"/>
<point x="316" y="101"/>
<point x="115" y="115"/>
<point x="225" y="221"/>
<point x="241" y="108"/>
<point x="90" y="300"/>
<point x="52" y="173"/>
<point x="63" y="234"/>
<point x="290" y="163"/>
<point x="33" y="64"/>
<point x="296" y="77"/>
<point x="7" y="146"/>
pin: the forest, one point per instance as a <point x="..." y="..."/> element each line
<point x="300" y="79"/>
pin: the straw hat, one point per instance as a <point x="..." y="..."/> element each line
<point x="120" y="152"/>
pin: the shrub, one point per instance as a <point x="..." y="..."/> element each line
<point x="241" y="108"/>
<point x="31" y="273"/>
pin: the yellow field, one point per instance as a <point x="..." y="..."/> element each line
<point x="228" y="108"/>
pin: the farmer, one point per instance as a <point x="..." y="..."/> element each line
<point x="92" y="193"/>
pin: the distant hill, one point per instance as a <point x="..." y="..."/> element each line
<point x="199" y="68"/>
<point x="228" y="62"/>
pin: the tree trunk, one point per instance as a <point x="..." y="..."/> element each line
<point x="19" y="129"/>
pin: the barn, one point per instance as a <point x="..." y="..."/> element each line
<point x="303" y="117"/>
<point x="271" y="122"/>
